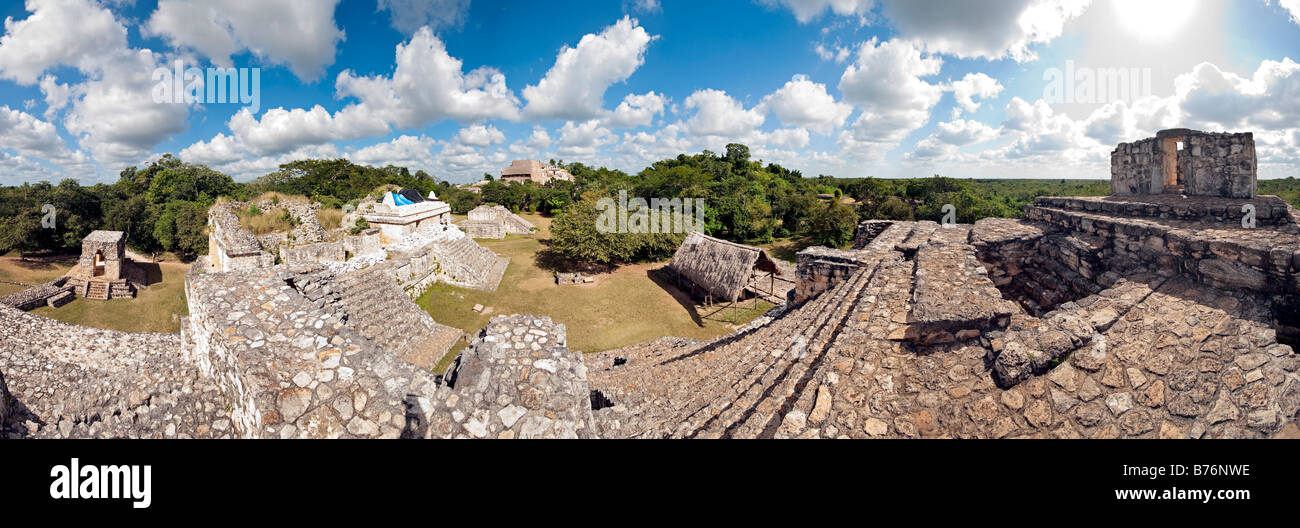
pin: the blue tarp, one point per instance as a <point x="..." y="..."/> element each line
<point x="401" y="200"/>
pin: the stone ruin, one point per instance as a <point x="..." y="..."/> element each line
<point x="397" y="221"/>
<point x="1150" y="316"/>
<point x="495" y="222"/>
<point x="1186" y="161"/>
<point x="103" y="272"/>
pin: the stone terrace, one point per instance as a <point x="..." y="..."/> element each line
<point x="1154" y="352"/>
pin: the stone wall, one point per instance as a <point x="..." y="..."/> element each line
<point x="313" y="254"/>
<point x="363" y="243"/>
<point x="1210" y="164"/>
<point x="1221" y="165"/>
<point x="295" y="371"/>
<point x="868" y="231"/>
<point x="37" y="296"/>
<point x="1256" y="259"/>
<point x="518" y="379"/>
<point x="1137" y="168"/>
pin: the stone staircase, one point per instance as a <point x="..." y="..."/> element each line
<point x="374" y="305"/>
<point x="97" y="290"/>
<point x="466" y="264"/>
<point x="741" y="385"/>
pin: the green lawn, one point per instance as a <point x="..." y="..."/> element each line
<point x="628" y="306"/>
<point x="157" y="308"/>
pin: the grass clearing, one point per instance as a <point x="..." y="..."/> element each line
<point x="630" y="305"/>
<point x="157" y="308"/>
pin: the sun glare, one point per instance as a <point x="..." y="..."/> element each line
<point x="1154" y="19"/>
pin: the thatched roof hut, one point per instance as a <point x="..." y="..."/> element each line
<point x="719" y="268"/>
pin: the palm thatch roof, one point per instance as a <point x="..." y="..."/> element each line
<point x="717" y="267"/>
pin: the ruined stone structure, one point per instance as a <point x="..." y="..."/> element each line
<point x="1186" y="161"/>
<point x="103" y="271"/>
<point x="535" y="171"/>
<point x="495" y="222"/>
<point x="396" y="222"/>
<point x="230" y="246"/>
<point x="1125" y="316"/>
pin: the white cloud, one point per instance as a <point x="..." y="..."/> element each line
<point x="836" y="53"/>
<point x="76" y="33"/>
<point x="718" y="114"/>
<point x="1293" y="7"/>
<point x="57" y="96"/>
<point x="583" y="140"/>
<point x="574" y="88"/>
<point x="807" y="10"/>
<point x="637" y="110"/>
<point x="647" y="6"/>
<point x="427" y="85"/>
<point x="950" y="136"/>
<point x="414" y="153"/>
<point x="32" y="137"/>
<point x="111" y="109"/>
<point x="1270" y="98"/>
<point x="791" y="138"/>
<point x="280" y="130"/>
<point x="408" y="16"/>
<point x="975" y="85"/>
<point x="804" y="103"/>
<point x="990" y="30"/>
<point x="885" y="82"/>
<point x="480" y="135"/>
<point x="299" y="33"/>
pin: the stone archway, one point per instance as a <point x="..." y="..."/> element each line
<point x="98" y="268"/>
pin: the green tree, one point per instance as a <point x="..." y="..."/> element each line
<point x="832" y="225"/>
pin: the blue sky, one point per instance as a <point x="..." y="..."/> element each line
<point x="890" y="88"/>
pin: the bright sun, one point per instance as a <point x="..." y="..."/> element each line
<point x="1154" y="19"/>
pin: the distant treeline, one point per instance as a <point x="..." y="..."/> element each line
<point x="163" y="206"/>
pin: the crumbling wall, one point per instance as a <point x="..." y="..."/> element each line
<point x="1209" y="164"/>
<point x="364" y="243"/>
<point x="518" y="379"/>
<point x="1137" y="168"/>
<point x="1221" y="165"/>
<point x="313" y="254"/>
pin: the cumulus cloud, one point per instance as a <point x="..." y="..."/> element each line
<point x="807" y="10"/>
<point x="718" y="114"/>
<point x="885" y="81"/>
<point x="584" y="139"/>
<point x="301" y="34"/>
<point x="990" y="30"/>
<point x="950" y="136"/>
<point x="480" y="135"/>
<point x="574" y="88"/>
<point x="46" y="39"/>
<point x="637" y="110"/>
<point x="413" y="152"/>
<point x="112" y="112"/>
<point x="408" y="16"/>
<point x="975" y="85"/>
<point x="427" y="85"/>
<point x="804" y="103"/>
